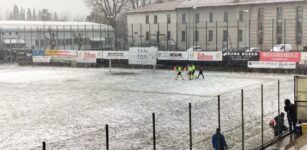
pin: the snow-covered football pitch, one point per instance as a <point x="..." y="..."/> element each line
<point x="69" y="107"/>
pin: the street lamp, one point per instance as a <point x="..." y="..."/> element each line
<point x="194" y="24"/>
<point x="45" y="12"/>
<point x="245" y="13"/>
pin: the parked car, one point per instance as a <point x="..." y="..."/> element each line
<point x="253" y="49"/>
<point x="282" y="48"/>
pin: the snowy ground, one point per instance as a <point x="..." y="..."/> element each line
<point x="69" y="107"/>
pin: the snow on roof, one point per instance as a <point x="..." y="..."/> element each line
<point x="177" y="4"/>
<point x="211" y="3"/>
<point x="54" y="24"/>
<point x="162" y="6"/>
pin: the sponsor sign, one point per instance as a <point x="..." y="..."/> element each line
<point x="87" y="56"/>
<point x="206" y="56"/>
<point x="241" y="56"/>
<point x="38" y="53"/>
<point x="143" y="55"/>
<point x="280" y="56"/>
<point x="271" y="65"/>
<point x="62" y="56"/>
<point x="303" y="58"/>
<point x="171" y="55"/>
<point x="41" y="59"/>
<point x="115" y="55"/>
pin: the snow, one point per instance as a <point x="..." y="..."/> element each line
<point x="69" y="107"/>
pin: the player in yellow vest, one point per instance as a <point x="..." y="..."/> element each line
<point x="179" y="70"/>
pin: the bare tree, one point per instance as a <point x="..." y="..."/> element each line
<point x="51" y="37"/>
<point x="79" y="40"/>
<point x="140" y="3"/>
<point x="110" y="8"/>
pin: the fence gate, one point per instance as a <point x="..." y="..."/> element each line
<point x="300" y="96"/>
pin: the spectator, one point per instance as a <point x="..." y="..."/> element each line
<point x="218" y="141"/>
<point x="279" y="124"/>
<point x="290" y="109"/>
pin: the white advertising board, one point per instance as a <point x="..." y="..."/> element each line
<point x="115" y="55"/>
<point x="171" y="55"/>
<point x="206" y="56"/>
<point x="41" y="59"/>
<point x="271" y="65"/>
<point x="87" y="57"/>
<point x="143" y="55"/>
<point x="303" y="58"/>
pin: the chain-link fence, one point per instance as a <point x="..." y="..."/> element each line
<point x="242" y="115"/>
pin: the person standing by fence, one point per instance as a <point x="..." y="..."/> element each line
<point x="279" y="126"/>
<point x="218" y="141"/>
<point x="290" y="109"/>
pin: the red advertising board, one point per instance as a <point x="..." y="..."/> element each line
<point x="280" y="56"/>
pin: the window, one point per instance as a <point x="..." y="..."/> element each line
<point x="196" y="36"/>
<point x="210" y="36"/>
<point x="182" y="36"/>
<point x="260" y="25"/>
<point x="155" y="19"/>
<point x="226" y="16"/>
<point x="147" y="36"/>
<point x="196" y="18"/>
<point x="183" y="18"/>
<point x="299" y="23"/>
<point x="225" y="36"/>
<point x="147" y="19"/>
<point x="168" y="18"/>
<point x="241" y="15"/>
<point x="168" y="35"/>
<point x="240" y="35"/>
<point x="211" y="17"/>
<point x="279" y="30"/>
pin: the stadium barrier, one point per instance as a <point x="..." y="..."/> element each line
<point x="245" y="130"/>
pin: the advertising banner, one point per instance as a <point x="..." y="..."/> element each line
<point x="87" y="56"/>
<point x="280" y="56"/>
<point x="115" y="55"/>
<point x="41" y="59"/>
<point x="38" y="53"/>
<point x="206" y="56"/>
<point x="303" y="58"/>
<point x="271" y="65"/>
<point x="143" y="55"/>
<point x="241" y="56"/>
<point x="171" y="55"/>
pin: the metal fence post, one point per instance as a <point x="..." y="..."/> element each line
<point x="262" y="113"/>
<point x="285" y="34"/>
<point x="154" y="130"/>
<point x="278" y="104"/>
<point x="219" y="118"/>
<point x="272" y="34"/>
<point x="242" y="112"/>
<point x="216" y="36"/>
<point x="107" y="137"/>
<point x="190" y="124"/>
<point x="44" y="146"/>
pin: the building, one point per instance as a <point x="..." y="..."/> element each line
<point x="154" y="25"/>
<point x="230" y="24"/>
<point x="55" y="35"/>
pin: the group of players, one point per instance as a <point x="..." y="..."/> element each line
<point x="191" y="72"/>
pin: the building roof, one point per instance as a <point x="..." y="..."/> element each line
<point x="13" y="25"/>
<point x="162" y="6"/>
<point x="212" y="3"/>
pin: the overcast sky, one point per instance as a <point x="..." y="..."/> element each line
<point x="73" y="8"/>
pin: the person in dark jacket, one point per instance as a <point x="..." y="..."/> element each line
<point x="279" y="127"/>
<point x="218" y="141"/>
<point x="200" y="72"/>
<point x="290" y="109"/>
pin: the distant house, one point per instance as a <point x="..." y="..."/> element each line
<point x="59" y="35"/>
<point x="217" y="24"/>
